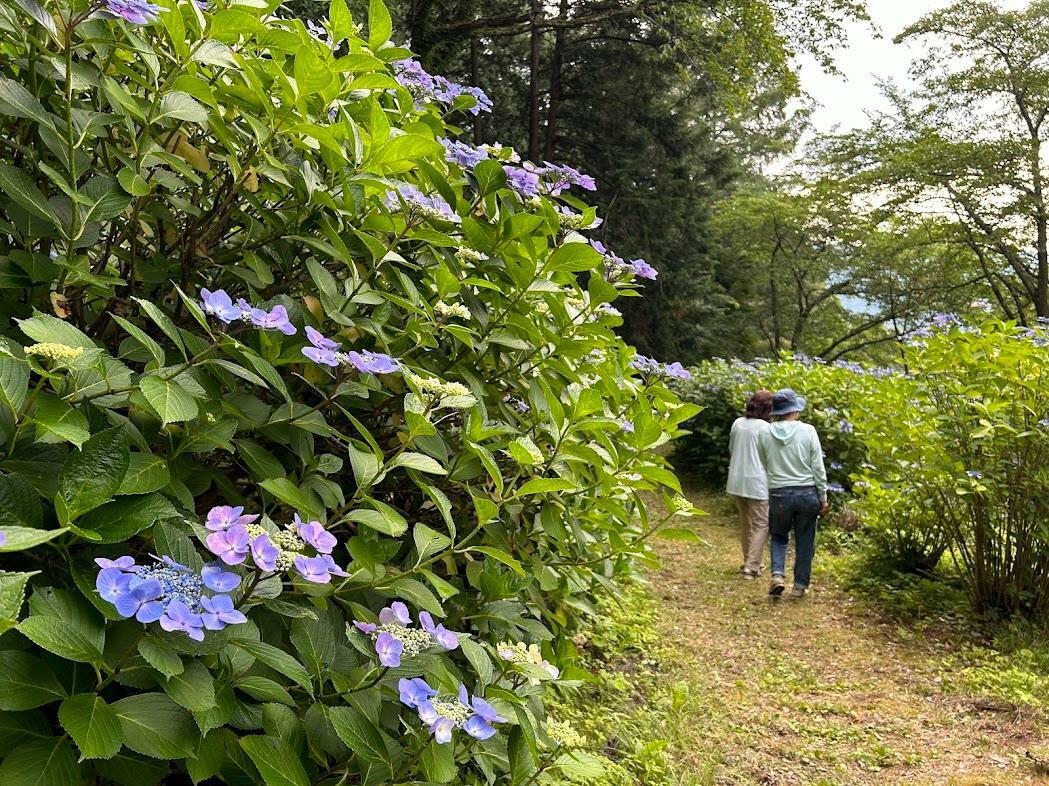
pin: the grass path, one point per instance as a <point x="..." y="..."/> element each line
<point x="813" y="692"/>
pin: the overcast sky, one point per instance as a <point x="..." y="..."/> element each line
<point x="843" y="100"/>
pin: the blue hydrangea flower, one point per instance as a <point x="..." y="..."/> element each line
<point x="414" y="692"/>
<point x="368" y="362"/>
<point x="319" y="569"/>
<point x="466" y="156"/>
<point x="433" y="207"/>
<point x="218" y="612"/>
<point x="559" y="177"/>
<point x="444" y="713"/>
<point x="836" y="488"/>
<point x="642" y="269"/>
<point x="222" y="517"/>
<point x="323" y="351"/>
<point x="274" y="319"/>
<point x="168" y="593"/>
<point x="314" y="534"/>
<point x="220" y="305"/>
<point x="138" y="12"/>
<point x="522" y="180"/>
<point x="394" y="639"/>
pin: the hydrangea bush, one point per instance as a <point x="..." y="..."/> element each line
<point x="317" y="438"/>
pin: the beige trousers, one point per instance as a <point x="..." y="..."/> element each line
<point x="754" y="530"/>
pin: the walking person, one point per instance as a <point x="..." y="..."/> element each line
<point x="746" y="480"/>
<point x="793" y="459"/>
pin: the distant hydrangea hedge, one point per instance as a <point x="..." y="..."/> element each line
<point x="316" y="435"/>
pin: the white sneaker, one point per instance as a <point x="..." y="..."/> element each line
<point x="798" y="591"/>
<point x="749" y="575"/>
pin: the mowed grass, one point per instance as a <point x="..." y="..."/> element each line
<point x="816" y="692"/>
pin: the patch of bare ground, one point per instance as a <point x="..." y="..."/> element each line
<point x="814" y="692"/>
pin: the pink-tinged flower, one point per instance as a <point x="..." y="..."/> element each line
<point x="179" y="616"/>
<point x="219" y="612"/>
<point x="389" y="650"/>
<point x="373" y="362"/>
<point x="396" y="612"/>
<point x="219" y="305"/>
<point x="231" y="545"/>
<point x="315" y="534"/>
<point x="264" y="553"/>
<point x="223" y="517"/>
<point x="438" y="632"/>
<point x="138" y="12"/>
<point x="318" y="569"/>
<point x="323" y="350"/>
<point x="274" y="319"/>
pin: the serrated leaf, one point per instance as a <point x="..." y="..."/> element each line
<point x="26" y="682"/>
<point x="56" y="421"/>
<point x="92" y="724"/>
<point x="160" y="656"/>
<point x="46" y="762"/>
<point x="155" y="726"/>
<point x="22" y="538"/>
<point x="278" y="660"/>
<point x="171" y="401"/>
<point x="145" y="473"/>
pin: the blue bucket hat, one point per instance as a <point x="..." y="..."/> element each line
<point x="786" y="401"/>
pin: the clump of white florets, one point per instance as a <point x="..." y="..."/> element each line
<point x="54" y="351"/>
<point x="528" y="655"/>
<point x="451" y="310"/>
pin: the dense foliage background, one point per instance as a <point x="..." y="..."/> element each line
<point x="317" y="439"/>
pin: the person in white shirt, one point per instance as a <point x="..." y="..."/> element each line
<point x="747" y="481"/>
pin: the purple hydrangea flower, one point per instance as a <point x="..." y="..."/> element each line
<point x="123" y="563"/>
<point x="274" y="319"/>
<point x="219" y="612"/>
<point x="389" y="650"/>
<point x="559" y="177"/>
<point x="521" y="180"/>
<point x="217" y="579"/>
<point x="318" y="570"/>
<point x="836" y="488"/>
<point x="231" y="545"/>
<point x="315" y="535"/>
<point x="440" y="634"/>
<point x="219" y="305"/>
<point x="642" y="269"/>
<point x="837" y="465"/>
<point x="477" y="727"/>
<point x="222" y="517"/>
<point x="368" y="362"/>
<point x="414" y="692"/>
<point x="138" y="12"/>
<point x="367" y="628"/>
<point x="264" y="553"/>
<point x="676" y="371"/>
<point x="323" y="350"/>
<point x="433" y="207"/>
<point x="466" y="156"/>
<point x="396" y="612"/>
<point x="179" y="617"/>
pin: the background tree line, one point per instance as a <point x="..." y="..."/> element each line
<point x="676" y="105"/>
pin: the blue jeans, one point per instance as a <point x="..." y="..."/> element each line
<point x="793" y="508"/>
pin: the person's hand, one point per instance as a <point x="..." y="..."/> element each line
<point x="824" y="506"/>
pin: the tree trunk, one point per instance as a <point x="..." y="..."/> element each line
<point x="475" y="61"/>
<point x="1041" y="304"/>
<point x="550" y="151"/>
<point x="533" y="88"/>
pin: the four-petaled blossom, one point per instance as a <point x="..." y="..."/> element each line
<point x="219" y="612"/>
<point x="138" y="12"/>
<point x="264" y="553"/>
<point x="414" y="692"/>
<point x="323" y="350"/>
<point x="368" y="362"/>
<point x="217" y="579"/>
<point x="318" y="569"/>
<point x="315" y="534"/>
<point x="179" y="617"/>
<point x="222" y="517"/>
<point x="395" y="612"/>
<point x="220" y="305"/>
<point x="274" y="319"/>
<point x="440" y="634"/>
<point x="231" y="545"/>
<point x="389" y="649"/>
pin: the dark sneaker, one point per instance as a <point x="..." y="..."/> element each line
<point x="778" y="585"/>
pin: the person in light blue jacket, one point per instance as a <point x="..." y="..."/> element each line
<point x="793" y="459"/>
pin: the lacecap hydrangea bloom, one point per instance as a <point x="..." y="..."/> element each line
<point x="394" y="639"/>
<point x="466" y="156"/>
<point x="170" y="593"/>
<point x="304" y="547"/>
<point x="529" y="657"/>
<point x="221" y="306"/>
<point x="428" y="88"/>
<point x="54" y="351"/>
<point x="443" y="713"/>
<point x="430" y="206"/>
<point x="652" y="367"/>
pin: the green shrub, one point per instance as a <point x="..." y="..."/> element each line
<point x="461" y="432"/>
<point x="964" y="447"/>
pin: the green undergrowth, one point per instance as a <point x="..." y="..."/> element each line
<point x="1004" y="663"/>
<point x="629" y="711"/>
